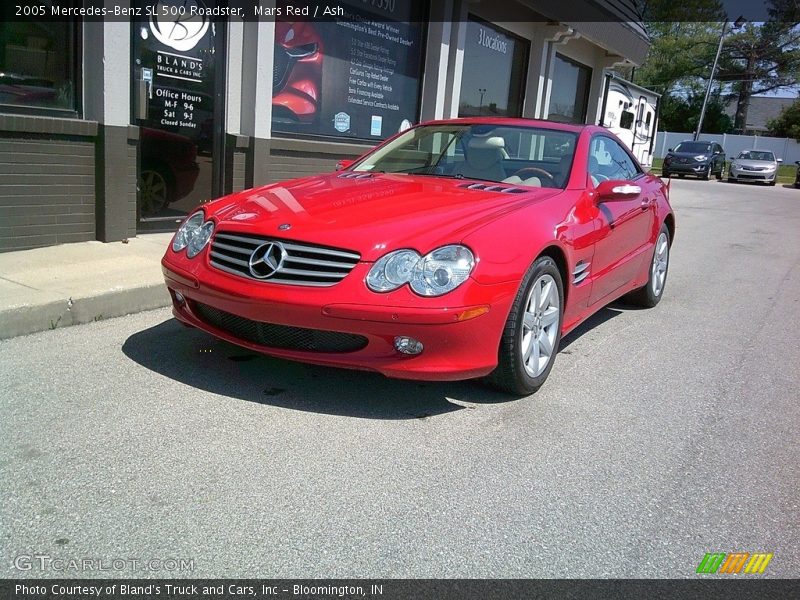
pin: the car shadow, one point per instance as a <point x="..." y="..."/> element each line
<point x="606" y="313"/>
<point x="789" y="186"/>
<point x="204" y="362"/>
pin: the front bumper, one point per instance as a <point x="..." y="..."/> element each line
<point x="460" y="331"/>
<point x="759" y="176"/>
<point x="687" y="168"/>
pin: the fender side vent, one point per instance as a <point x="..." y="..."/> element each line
<point x="580" y="272"/>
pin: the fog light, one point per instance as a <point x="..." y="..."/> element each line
<point x="407" y="345"/>
<point x="179" y="299"/>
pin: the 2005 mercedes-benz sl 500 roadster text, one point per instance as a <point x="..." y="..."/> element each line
<point x="455" y="249"/>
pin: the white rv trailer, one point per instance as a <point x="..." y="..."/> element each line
<point x="631" y="113"/>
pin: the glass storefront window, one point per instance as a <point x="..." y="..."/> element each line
<point x="495" y="65"/>
<point x="356" y="76"/>
<point x="570" y="94"/>
<point x="38" y="66"/>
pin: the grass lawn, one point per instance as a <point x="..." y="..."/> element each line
<point x="786" y="173"/>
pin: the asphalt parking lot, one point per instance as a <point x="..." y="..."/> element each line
<point x="661" y="435"/>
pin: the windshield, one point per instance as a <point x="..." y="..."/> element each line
<point x="757" y="155"/>
<point x="520" y="156"/>
<point x="693" y="147"/>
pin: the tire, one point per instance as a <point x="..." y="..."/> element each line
<point x="665" y="173"/>
<point x="720" y="173"/>
<point x="772" y="183"/>
<point x="650" y="294"/>
<point x="681" y="175"/>
<point x="533" y="326"/>
<point x="706" y="174"/>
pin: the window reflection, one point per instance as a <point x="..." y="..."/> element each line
<point x="37" y="64"/>
<point x="495" y="62"/>
<point x="570" y="94"/>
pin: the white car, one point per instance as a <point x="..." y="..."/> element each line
<point x="754" y="165"/>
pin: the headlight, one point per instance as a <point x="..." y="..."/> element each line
<point x="392" y="270"/>
<point x="194" y="234"/>
<point x="771" y="168"/>
<point x="700" y="157"/>
<point x="434" y="274"/>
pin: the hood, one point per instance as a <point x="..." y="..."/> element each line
<point x="372" y="214"/>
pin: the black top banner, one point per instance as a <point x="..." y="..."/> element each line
<point x="638" y="11"/>
<point x="396" y="589"/>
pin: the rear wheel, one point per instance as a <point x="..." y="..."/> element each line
<point x="650" y="294"/>
<point x="721" y="172"/>
<point x="533" y="331"/>
<point x="154" y="191"/>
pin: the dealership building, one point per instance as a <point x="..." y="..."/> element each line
<point x="120" y="124"/>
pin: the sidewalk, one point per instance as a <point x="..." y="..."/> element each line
<point x="70" y="284"/>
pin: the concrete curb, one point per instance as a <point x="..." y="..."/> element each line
<point x="56" y="314"/>
<point x="58" y="286"/>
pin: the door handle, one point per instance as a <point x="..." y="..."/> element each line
<point x="646" y="203"/>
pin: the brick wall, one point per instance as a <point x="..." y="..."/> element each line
<point x="47" y="190"/>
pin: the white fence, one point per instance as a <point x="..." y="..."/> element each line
<point x="785" y="148"/>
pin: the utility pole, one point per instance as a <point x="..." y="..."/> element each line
<point x="737" y="24"/>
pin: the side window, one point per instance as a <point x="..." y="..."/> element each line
<point x="608" y="160"/>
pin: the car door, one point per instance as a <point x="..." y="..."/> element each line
<point x="624" y="227"/>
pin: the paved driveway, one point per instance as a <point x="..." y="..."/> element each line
<point x="661" y="435"/>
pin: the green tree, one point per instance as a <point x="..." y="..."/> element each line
<point x="762" y="57"/>
<point x="684" y="36"/>
<point x="787" y="124"/>
<point x="682" y="113"/>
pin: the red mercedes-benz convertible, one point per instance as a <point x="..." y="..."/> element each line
<point x="455" y="249"/>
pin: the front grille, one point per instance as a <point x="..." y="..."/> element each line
<point x="305" y="264"/>
<point x="282" y="337"/>
<point x="280" y="68"/>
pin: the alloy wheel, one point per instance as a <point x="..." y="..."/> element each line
<point x="658" y="270"/>
<point x="540" y="325"/>
<point x="153" y="192"/>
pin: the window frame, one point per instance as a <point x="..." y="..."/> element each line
<point x="639" y="170"/>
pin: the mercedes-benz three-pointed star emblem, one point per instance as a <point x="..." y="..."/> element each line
<point x="266" y="260"/>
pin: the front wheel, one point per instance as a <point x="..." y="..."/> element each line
<point x="650" y="295"/>
<point x="706" y="174"/>
<point x="533" y="331"/>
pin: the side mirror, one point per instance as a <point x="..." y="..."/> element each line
<point x="344" y="163"/>
<point x="669" y="149"/>
<point x="780" y="160"/>
<point x="615" y="189"/>
<point x="797" y="162"/>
